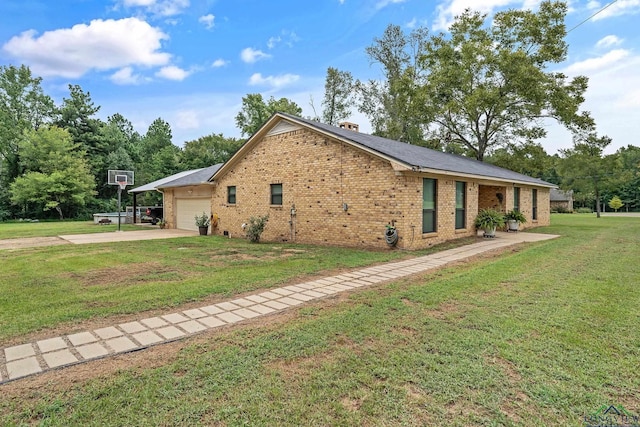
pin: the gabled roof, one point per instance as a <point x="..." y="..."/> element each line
<point x="197" y="177"/>
<point x="401" y="155"/>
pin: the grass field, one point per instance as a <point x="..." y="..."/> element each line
<point x="540" y="335"/>
<point x="14" y="230"/>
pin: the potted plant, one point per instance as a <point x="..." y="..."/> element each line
<point x="488" y="220"/>
<point x="162" y="223"/>
<point x="202" y="222"/>
<point x="514" y="219"/>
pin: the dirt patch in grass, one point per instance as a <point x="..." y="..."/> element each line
<point x="128" y="274"/>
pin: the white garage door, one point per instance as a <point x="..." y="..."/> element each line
<point x="187" y="209"/>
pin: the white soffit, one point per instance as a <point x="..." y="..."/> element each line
<point x="283" y="127"/>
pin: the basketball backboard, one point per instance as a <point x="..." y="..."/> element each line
<point x="117" y="177"/>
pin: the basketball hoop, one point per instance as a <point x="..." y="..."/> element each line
<point x="122" y="184"/>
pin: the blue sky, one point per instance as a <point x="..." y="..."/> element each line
<point x="190" y="62"/>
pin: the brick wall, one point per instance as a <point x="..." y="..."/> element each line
<point x="342" y="195"/>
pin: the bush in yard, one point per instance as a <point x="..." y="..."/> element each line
<point x="584" y="210"/>
<point x="255" y="227"/>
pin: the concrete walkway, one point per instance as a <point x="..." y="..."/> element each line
<point x="57" y="352"/>
<point x="80" y="239"/>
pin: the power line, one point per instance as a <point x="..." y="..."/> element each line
<point x="601" y="10"/>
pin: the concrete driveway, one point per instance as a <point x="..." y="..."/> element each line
<point x="79" y="239"/>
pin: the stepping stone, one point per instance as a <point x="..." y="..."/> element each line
<point x="246" y="313"/>
<point x="147" y="338"/>
<point x="82" y="338"/>
<point x="154" y="322"/>
<point x="121" y="344"/>
<point x="192" y="326"/>
<point x="211" y="322"/>
<point x="288" y="301"/>
<point x="194" y="314"/>
<point x="242" y="302"/>
<point x="277" y="305"/>
<point x="175" y="318"/>
<point x="313" y="294"/>
<point x="91" y="351"/>
<point x="133" y="327"/>
<point x="301" y="297"/>
<point x="18" y="352"/>
<point x="258" y="299"/>
<point x="170" y="332"/>
<point x="230" y="317"/>
<point x="262" y="309"/>
<point x="59" y="358"/>
<point x="212" y="309"/>
<point x="110" y="332"/>
<point x="228" y="306"/>
<point x="23" y="367"/>
<point x="270" y="295"/>
<point x="51" y="344"/>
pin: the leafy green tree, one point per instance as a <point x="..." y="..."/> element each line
<point x="208" y="150"/>
<point x="585" y="169"/>
<point x="23" y="106"/>
<point x="255" y="112"/>
<point x="615" y="203"/>
<point x="57" y="175"/>
<point x="393" y="104"/>
<point x="488" y="85"/>
<point x="338" y="99"/>
<point x="529" y="158"/>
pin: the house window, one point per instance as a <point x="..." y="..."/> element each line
<point x="534" y="203"/>
<point x="516" y="198"/>
<point x="276" y="194"/>
<point x="231" y="194"/>
<point x="461" y="203"/>
<point x="428" y="205"/>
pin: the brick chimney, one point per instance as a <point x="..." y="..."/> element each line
<point x="348" y="125"/>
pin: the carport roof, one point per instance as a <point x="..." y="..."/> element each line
<point x="190" y="177"/>
<point x="197" y="177"/>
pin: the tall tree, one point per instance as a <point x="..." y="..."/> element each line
<point x="23" y="106"/>
<point x="338" y="96"/>
<point x="393" y="104"/>
<point x="488" y="85"/>
<point x="208" y="150"/>
<point x="57" y="175"/>
<point x="255" y="111"/>
<point x="528" y="158"/>
<point x="585" y="169"/>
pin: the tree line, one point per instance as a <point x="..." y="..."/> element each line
<point x="481" y="90"/>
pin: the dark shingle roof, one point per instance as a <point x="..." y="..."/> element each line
<point x="421" y="157"/>
<point x="199" y="176"/>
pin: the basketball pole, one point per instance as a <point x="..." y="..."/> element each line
<point x="119" y="208"/>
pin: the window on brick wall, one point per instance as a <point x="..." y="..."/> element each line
<point x="429" y="205"/>
<point x="276" y="194"/>
<point x="534" y="204"/>
<point x="516" y="198"/>
<point x="461" y="203"/>
<point x="231" y="194"/>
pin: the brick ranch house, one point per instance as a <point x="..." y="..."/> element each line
<point x="322" y="184"/>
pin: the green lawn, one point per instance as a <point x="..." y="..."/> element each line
<point x="543" y="334"/>
<point x="14" y="230"/>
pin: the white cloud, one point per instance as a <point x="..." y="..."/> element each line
<point x="125" y="76"/>
<point x="187" y="120"/>
<point x="593" y="5"/>
<point x="250" y="55"/>
<point x="271" y="43"/>
<point x="172" y="72"/>
<point x="207" y="20"/>
<point x="219" y="63"/>
<point x="604" y="62"/>
<point x="289" y="38"/>
<point x="157" y="7"/>
<point x="384" y="3"/>
<point x="620" y="7"/>
<point x="608" y="41"/>
<point x="101" y="45"/>
<point x="273" y="81"/>
<point x="449" y="9"/>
